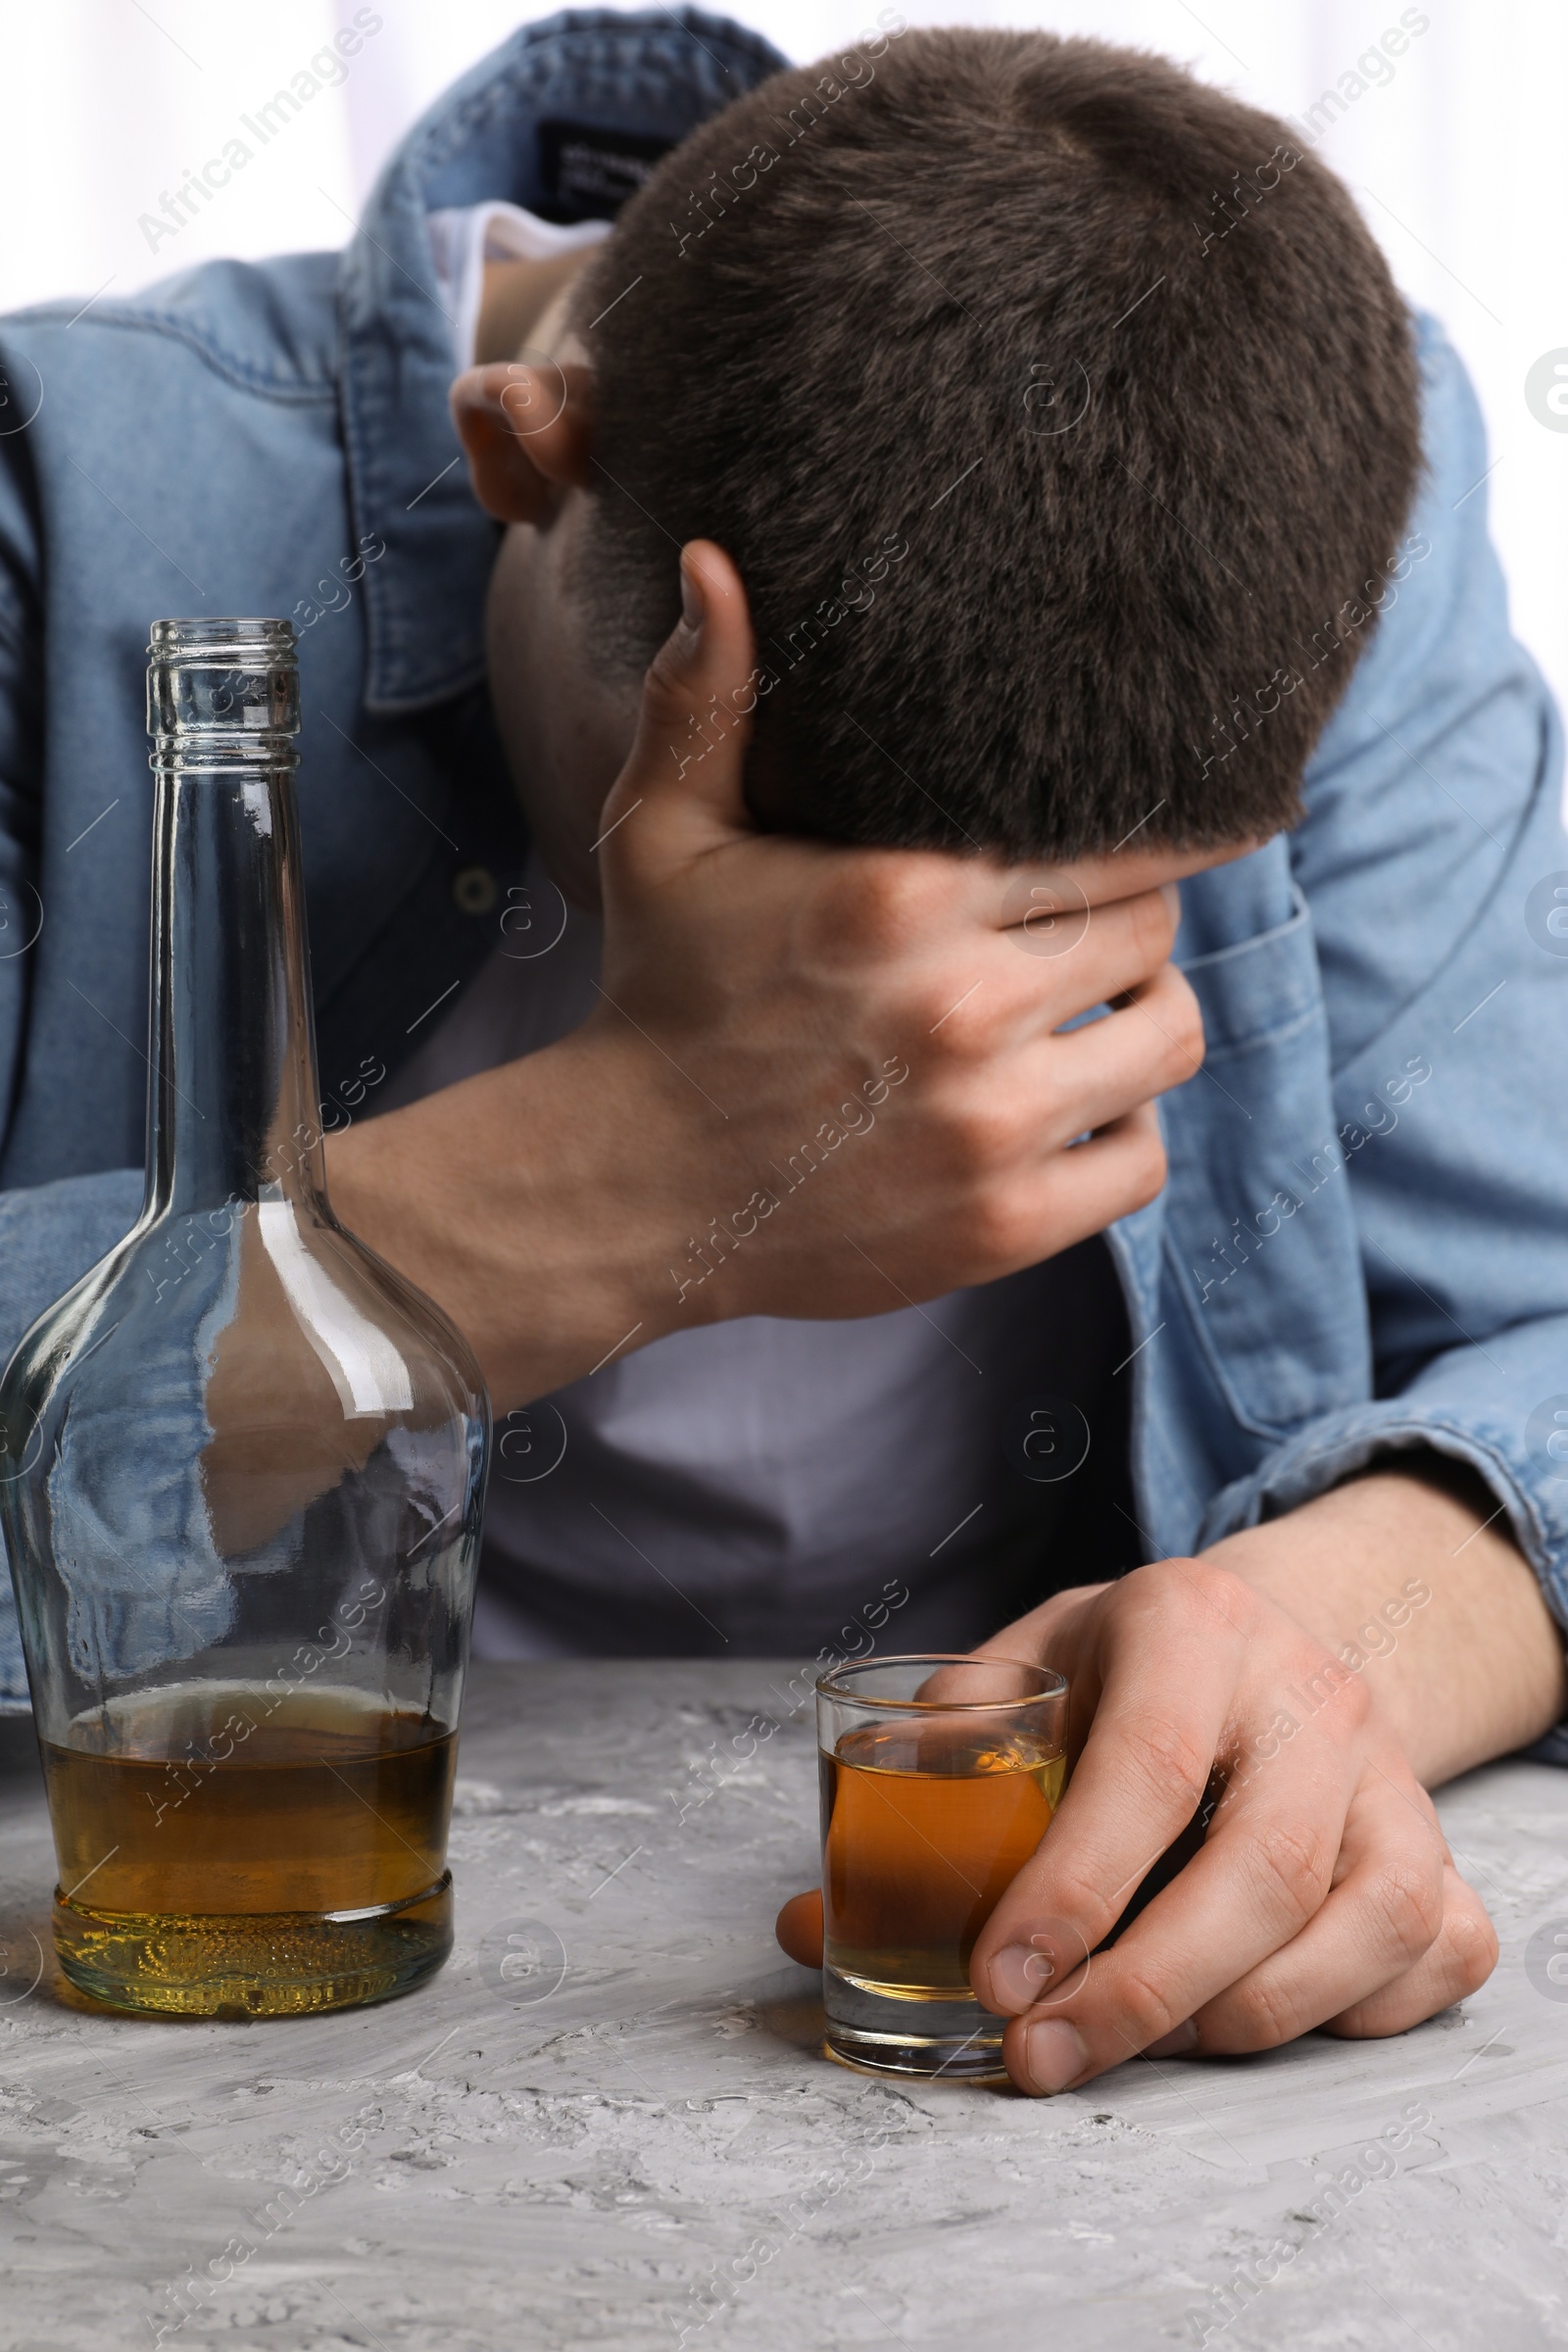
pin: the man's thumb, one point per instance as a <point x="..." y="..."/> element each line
<point x="799" y="1928"/>
<point x="697" y="699"/>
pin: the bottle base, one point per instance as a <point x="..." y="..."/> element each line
<point x="237" y="1965"/>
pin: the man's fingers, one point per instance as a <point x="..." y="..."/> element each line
<point x="1261" y="1877"/>
<point x="1080" y="1192"/>
<point x="1370" y="1942"/>
<point x="1051" y="910"/>
<point x="1045" y="906"/>
<point x="1098" y="1074"/>
<point x="799" y="1928"/>
<point x="1123" y="950"/>
<point x="1168" y="1681"/>
<point x="1458" y="1961"/>
<point x="1124" y="872"/>
<point x="695" y="719"/>
<point x="1151" y="1040"/>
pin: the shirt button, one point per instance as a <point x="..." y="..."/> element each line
<point x="473" y="887"/>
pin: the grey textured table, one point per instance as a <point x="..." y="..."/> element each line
<point x="647" y="2149"/>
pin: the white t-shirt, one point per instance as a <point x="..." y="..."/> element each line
<point x="764" y="1485"/>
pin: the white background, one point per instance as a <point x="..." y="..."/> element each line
<point x="1457" y="163"/>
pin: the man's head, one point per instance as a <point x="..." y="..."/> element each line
<point x="1055" y="409"/>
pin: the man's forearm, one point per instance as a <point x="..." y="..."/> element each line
<point x="509" y="1199"/>
<point x="1472" y="1671"/>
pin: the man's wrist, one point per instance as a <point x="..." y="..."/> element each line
<point x="504" y="1199"/>
<point x="1403" y="1579"/>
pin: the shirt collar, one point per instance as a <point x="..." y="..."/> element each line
<point x="639" y="82"/>
<point x="462" y="239"/>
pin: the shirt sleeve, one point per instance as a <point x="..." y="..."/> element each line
<point x="1434" y="859"/>
<point x="20" y="754"/>
<point x="49" y="1234"/>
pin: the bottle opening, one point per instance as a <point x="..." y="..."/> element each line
<point x="221" y="690"/>
<point x="186" y="640"/>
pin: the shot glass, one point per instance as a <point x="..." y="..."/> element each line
<point x="939" y="1778"/>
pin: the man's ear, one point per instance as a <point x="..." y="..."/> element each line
<point x="526" y="432"/>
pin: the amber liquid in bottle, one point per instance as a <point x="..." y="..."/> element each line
<point x="222" y="1820"/>
<point x="922" y="1831"/>
<point x="237" y="1803"/>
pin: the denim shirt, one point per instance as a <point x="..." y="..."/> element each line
<point x="1362" y="1245"/>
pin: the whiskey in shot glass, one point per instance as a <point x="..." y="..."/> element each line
<point x="939" y="1778"/>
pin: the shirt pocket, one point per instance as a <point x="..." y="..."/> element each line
<point x="1260" y="1241"/>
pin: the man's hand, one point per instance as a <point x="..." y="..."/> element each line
<point x="820" y="1081"/>
<point x="1323" y="1893"/>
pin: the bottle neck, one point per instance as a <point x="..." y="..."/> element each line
<point x="233" y="1104"/>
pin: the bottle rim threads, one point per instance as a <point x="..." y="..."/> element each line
<point x="221" y="693"/>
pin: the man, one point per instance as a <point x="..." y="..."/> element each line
<point x="761" y="1191"/>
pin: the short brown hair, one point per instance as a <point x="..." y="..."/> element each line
<point x="1117" y="368"/>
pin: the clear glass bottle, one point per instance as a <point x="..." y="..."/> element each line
<point x="243" y="1463"/>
